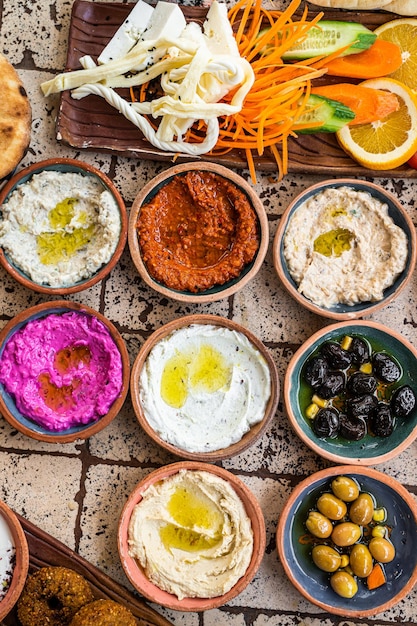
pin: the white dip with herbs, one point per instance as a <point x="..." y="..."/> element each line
<point x="341" y="246"/>
<point x="60" y="227"/>
<point x="203" y="386"/>
<point x="192" y="535"/>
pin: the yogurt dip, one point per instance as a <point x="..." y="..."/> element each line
<point x="203" y="386"/>
<point x="60" y="228"/>
<point x="341" y="246"/>
<point x="7" y="557"/>
<point x="191" y="535"/>
<point x="62" y="370"/>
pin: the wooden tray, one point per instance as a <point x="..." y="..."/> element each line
<point x="92" y="124"/>
<point x="45" y="550"/>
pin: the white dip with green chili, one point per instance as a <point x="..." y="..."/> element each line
<point x="203" y="387"/>
<point x="60" y="227"/>
<point x="341" y="246"/>
<point x="7" y="557"/>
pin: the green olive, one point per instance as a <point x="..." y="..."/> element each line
<point x="345" y="488"/>
<point x="319" y="525"/>
<point x="346" y="534"/>
<point x="381" y="549"/>
<point x="344" y="584"/>
<point x="361" y="561"/>
<point x="362" y="509"/>
<point x="331" y="507"/>
<point x="326" y="558"/>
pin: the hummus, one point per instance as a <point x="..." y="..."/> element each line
<point x="198" y="231"/>
<point x="341" y="246"/>
<point x="62" y="370"/>
<point x="7" y="557"/>
<point x="60" y="228"/>
<point x="191" y="535"/>
<point x="203" y="386"/>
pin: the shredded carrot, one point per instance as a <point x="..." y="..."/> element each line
<point x="280" y="91"/>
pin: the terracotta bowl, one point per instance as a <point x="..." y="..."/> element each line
<point x="12" y="535"/>
<point x="346" y="311"/>
<point x="169" y="441"/>
<point x="25" y="425"/>
<point x="133" y="569"/>
<point x="64" y="166"/>
<point x="216" y="292"/>
<point x="311" y="582"/>
<point x="369" y="450"/>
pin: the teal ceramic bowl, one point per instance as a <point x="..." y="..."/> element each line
<point x="371" y="449"/>
<point x="343" y="311"/>
<point x="219" y="291"/>
<point x="295" y="553"/>
<point x="62" y="166"/>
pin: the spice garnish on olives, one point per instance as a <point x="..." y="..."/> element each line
<point x="354" y="391"/>
<point x="349" y="536"/>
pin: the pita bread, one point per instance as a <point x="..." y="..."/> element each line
<point x="15" y="118"/>
<point x="353" y="5"/>
<point x="402" y="7"/>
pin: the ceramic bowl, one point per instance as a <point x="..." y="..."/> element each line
<point x="64" y="166"/>
<point x="346" y="311"/>
<point x="216" y="292"/>
<point x="25" y="425"/>
<point x="135" y="572"/>
<point x="311" y="582"/>
<point x="250" y="437"/>
<point x="12" y="536"/>
<point x="298" y="394"/>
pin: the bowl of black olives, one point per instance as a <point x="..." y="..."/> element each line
<point x="344" y="539"/>
<point x="350" y="393"/>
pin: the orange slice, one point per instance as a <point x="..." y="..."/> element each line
<point x="403" y="32"/>
<point x="387" y="143"/>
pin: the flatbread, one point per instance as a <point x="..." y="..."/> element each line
<point x="353" y="5"/>
<point x="402" y="7"/>
<point x="15" y="118"/>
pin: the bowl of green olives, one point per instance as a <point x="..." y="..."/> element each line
<point x="350" y="392"/>
<point x="344" y="248"/>
<point x="344" y="539"/>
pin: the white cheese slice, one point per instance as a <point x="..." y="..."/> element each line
<point x="219" y="32"/>
<point x="128" y="33"/>
<point x="167" y="22"/>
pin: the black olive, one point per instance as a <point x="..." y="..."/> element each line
<point x="316" y="370"/>
<point x="361" y="405"/>
<point x="382" y="420"/>
<point x="335" y="355"/>
<point x="326" y="423"/>
<point x="352" y="428"/>
<point x="360" y="383"/>
<point x="359" y="350"/>
<point x="332" y="385"/>
<point x="403" y="401"/>
<point x="385" y="368"/>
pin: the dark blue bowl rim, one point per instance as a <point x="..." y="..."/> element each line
<point x="401" y="573"/>
<point x="364" y="308"/>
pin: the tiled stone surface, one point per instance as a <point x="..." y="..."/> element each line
<point x="76" y="491"/>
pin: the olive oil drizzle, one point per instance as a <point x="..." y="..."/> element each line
<point x="58" y="245"/>
<point x="202" y="369"/>
<point x="191" y="514"/>
<point x="334" y="242"/>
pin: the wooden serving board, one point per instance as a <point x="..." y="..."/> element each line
<point x="45" y="550"/>
<point x="92" y="124"/>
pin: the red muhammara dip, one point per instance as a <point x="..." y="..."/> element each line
<point x="198" y="231"/>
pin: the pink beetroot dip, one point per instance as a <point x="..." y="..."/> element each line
<point x="62" y="370"/>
